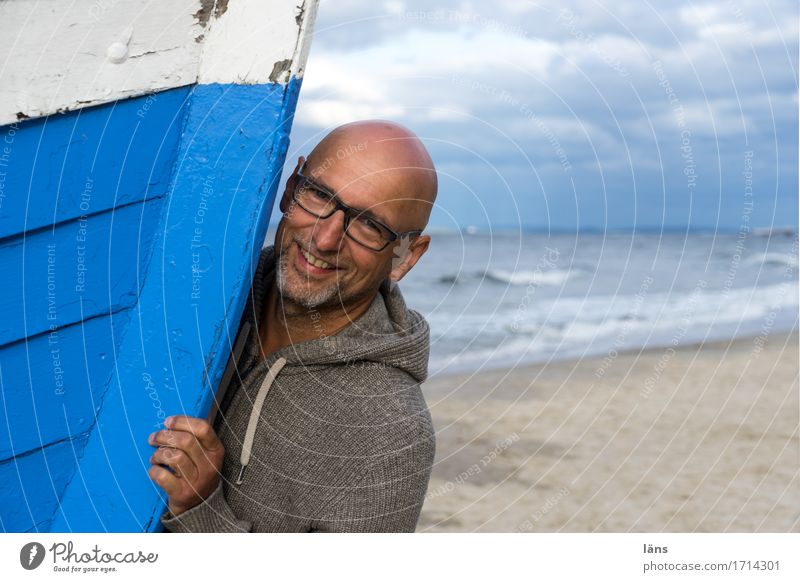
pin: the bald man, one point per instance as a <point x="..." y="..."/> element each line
<point x="324" y="427"/>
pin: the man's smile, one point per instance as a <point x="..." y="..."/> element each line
<point x="311" y="264"/>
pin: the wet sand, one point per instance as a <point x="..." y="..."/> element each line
<point x="702" y="438"/>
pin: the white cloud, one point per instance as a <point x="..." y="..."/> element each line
<point x="330" y="112"/>
<point x="473" y="75"/>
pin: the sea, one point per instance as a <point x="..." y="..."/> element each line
<point x="501" y="299"/>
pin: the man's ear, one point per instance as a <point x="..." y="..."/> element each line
<point x="286" y="198"/>
<point x="406" y="253"/>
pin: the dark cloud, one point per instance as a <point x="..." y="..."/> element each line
<point x="575" y="115"/>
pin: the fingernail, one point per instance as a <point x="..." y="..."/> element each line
<point x="168" y="422"/>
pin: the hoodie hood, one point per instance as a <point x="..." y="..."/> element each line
<point x="388" y="333"/>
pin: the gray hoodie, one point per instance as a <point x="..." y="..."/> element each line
<point x="338" y="433"/>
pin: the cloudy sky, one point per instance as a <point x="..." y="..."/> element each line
<point x="591" y="115"/>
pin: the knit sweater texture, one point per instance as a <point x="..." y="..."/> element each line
<point x="344" y="441"/>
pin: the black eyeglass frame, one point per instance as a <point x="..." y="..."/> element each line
<point x="348" y="213"/>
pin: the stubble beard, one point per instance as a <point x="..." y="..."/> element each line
<point x="301" y="292"/>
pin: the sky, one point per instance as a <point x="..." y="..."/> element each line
<point x="575" y="115"/>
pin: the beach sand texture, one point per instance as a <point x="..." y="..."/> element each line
<point x="702" y="438"/>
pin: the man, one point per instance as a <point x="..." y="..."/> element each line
<point x="327" y="429"/>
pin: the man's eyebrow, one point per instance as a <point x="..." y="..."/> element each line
<point x="368" y="214"/>
<point x="332" y="192"/>
<point x="320" y="185"/>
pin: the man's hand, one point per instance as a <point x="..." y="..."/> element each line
<point x="191" y="448"/>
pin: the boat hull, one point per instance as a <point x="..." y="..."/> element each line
<point x="130" y="231"/>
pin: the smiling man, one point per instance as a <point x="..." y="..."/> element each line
<point x="324" y="427"/>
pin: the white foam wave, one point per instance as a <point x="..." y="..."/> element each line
<point x="772" y="259"/>
<point x="537" y="277"/>
<point x="585" y="325"/>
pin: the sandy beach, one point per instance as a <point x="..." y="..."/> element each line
<point x="701" y="438"/>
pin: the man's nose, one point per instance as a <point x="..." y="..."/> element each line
<point x="327" y="234"/>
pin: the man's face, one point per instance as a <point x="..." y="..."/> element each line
<point x="351" y="273"/>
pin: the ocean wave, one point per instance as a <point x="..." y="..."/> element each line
<point x="777" y="231"/>
<point x="523" y="329"/>
<point x="772" y="259"/>
<point x="584" y="325"/>
<point x="450" y="279"/>
<point x="536" y="277"/>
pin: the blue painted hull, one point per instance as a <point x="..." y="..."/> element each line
<point x="129" y="233"/>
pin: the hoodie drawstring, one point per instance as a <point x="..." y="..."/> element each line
<point x="255" y="413"/>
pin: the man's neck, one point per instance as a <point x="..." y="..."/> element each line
<point x="281" y="324"/>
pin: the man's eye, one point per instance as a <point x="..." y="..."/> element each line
<point x="320" y="194"/>
<point x="370" y="224"/>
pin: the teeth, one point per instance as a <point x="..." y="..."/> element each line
<point x="315" y="261"/>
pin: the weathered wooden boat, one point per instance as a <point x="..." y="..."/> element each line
<point x="141" y="146"/>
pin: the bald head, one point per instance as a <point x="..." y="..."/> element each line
<point x="385" y="153"/>
<point x="367" y="192"/>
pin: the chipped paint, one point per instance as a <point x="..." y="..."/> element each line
<point x="281" y="68"/>
<point x="204" y="13"/>
<point x="208" y="8"/>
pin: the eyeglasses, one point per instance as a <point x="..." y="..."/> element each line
<point x="358" y="224"/>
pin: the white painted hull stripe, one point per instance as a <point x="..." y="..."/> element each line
<point x="59" y="56"/>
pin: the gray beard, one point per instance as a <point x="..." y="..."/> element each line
<point x="303" y="296"/>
